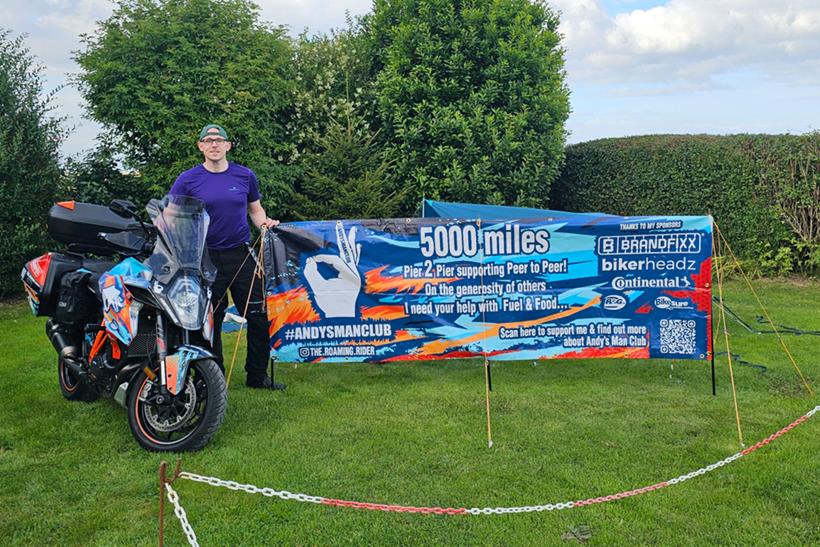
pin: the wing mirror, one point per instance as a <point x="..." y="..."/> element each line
<point x="123" y="208"/>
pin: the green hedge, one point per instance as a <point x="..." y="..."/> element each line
<point x="761" y="189"/>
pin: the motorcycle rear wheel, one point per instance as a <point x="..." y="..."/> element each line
<point x="71" y="387"/>
<point x="188" y="422"/>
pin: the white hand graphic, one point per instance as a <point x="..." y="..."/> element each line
<point x="112" y="298"/>
<point x="337" y="297"/>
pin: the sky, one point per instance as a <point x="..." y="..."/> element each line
<point x="634" y="67"/>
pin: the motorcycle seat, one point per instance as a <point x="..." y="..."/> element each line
<point x="97" y="267"/>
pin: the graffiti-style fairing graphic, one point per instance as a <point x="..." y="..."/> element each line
<point x="120" y="310"/>
<point x="176" y="366"/>
<point x="411" y="289"/>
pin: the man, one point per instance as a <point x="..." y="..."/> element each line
<point x="231" y="194"/>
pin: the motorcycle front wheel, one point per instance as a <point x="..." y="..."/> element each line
<point x="181" y="423"/>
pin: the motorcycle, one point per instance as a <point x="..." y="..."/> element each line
<point x="137" y="330"/>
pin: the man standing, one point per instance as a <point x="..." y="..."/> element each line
<point x="231" y="194"/>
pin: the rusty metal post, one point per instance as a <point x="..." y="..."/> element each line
<point x="163" y="468"/>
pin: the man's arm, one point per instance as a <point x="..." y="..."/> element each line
<point x="259" y="217"/>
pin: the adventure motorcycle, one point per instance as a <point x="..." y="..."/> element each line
<point x="136" y="330"/>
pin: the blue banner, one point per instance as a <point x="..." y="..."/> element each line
<point x="411" y="289"/>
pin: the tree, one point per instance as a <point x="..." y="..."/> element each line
<point x="156" y="71"/>
<point x="98" y="178"/>
<point x="333" y="80"/>
<point x="470" y="97"/>
<point x="344" y="175"/>
<point x="29" y="168"/>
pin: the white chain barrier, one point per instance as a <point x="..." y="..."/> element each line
<point x="173" y="497"/>
<point x="285" y="495"/>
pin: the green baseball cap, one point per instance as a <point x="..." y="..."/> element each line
<point x="208" y="130"/>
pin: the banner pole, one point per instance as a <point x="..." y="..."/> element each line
<point x="711" y="313"/>
<point x="272" y="359"/>
<point x="714" y="387"/>
<point x="487" y="381"/>
<point x="487" y="389"/>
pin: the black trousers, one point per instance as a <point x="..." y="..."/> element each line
<point x="228" y="264"/>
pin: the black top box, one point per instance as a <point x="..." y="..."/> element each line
<point x="79" y="225"/>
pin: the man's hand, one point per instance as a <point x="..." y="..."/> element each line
<point x="259" y="217"/>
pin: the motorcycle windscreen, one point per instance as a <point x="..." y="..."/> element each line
<point x="182" y="224"/>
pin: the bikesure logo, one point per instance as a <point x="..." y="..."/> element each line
<point x="666" y="303"/>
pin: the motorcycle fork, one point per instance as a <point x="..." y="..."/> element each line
<point x="162" y="354"/>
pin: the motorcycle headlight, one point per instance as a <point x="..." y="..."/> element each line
<point x="188" y="300"/>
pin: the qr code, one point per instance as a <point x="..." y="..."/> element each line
<point x="678" y="336"/>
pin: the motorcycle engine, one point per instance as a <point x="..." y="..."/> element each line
<point x="103" y="371"/>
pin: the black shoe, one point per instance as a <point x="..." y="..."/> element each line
<point x="265" y="383"/>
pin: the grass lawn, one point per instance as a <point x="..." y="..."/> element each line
<point x="414" y="434"/>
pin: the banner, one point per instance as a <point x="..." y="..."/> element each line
<point x="412" y="289"/>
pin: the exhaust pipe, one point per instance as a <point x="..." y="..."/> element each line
<point x="62" y="339"/>
<point x="72" y="363"/>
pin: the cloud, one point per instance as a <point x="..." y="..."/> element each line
<point x="657" y="66"/>
<point x="316" y="15"/>
<point x="74" y="17"/>
<point x="691" y="41"/>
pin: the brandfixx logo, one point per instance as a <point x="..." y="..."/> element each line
<point x="672" y="243"/>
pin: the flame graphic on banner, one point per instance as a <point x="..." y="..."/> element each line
<point x="701" y="296"/>
<point x="384" y="312"/>
<point x="378" y="283"/>
<point x="597" y="353"/>
<point x="457" y="354"/>
<point x="440" y="346"/>
<point x="289" y="307"/>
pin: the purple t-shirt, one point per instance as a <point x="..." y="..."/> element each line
<point x="226" y="196"/>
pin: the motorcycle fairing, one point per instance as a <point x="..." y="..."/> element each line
<point x="120" y="310"/>
<point x="33" y="299"/>
<point x="208" y="324"/>
<point x="176" y="366"/>
<point x="133" y="272"/>
<point x="34" y="276"/>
